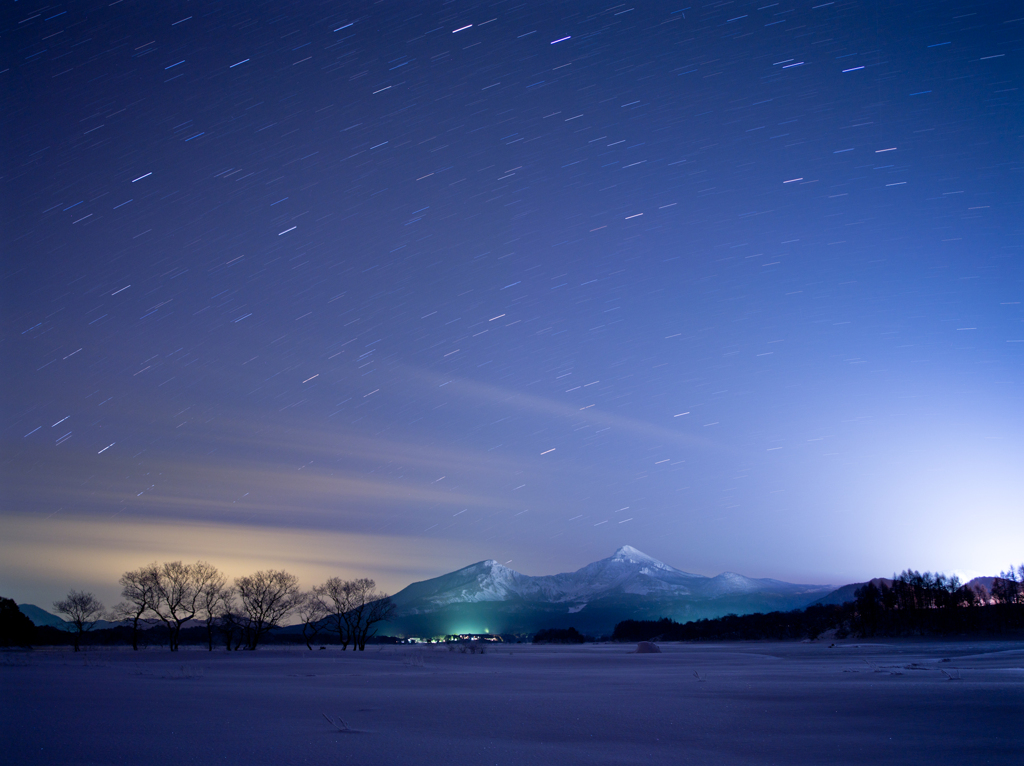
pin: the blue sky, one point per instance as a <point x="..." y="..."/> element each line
<point x="388" y="292"/>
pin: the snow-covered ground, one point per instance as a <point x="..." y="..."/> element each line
<point x="870" y="702"/>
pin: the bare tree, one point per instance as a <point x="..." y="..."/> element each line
<point x="354" y="608"/>
<point x="179" y="590"/>
<point x="231" y="626"/>
<point x="380" y="609"/>
<point x="267" y="597"/>
<point x="82" y="610"/>
<point x="367" y="608"/>
<point x="140" y="597"/>
<point x="215" y="601"/>
<point x="312" y="611"/>
<point x="337" y="597"/>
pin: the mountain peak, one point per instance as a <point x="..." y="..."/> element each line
<point x="486" y="566"/>
<point x="629" y="581"/>
<point x="634" y="556"/>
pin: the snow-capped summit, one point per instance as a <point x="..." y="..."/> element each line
<point x="629" y="584"/>
<point x="483" y="581"/>
<point x="628" y="570"/>
<point x="634" y="556"/>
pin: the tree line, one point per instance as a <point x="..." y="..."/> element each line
<point x="238" y="615"/>
<point x="560" y="636"/>
<point x="917" y="604"/>
<point x="810" y="622"/>
<point x="911" y="603"/>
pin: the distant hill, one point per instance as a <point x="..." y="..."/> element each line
<point x="981" y="585"/>
<point x="488" y="597"/>
<point x="844" y="594"/>
<point x="41" y="617"/>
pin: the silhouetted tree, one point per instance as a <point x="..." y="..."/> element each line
<point x="1008" y="588"/>
<point x="267" y="597"/>
<point x="82" y="610"/>
<point x="869" y="607"/>
<point x="354" y="607"/>
<point x="379" y="609"/>
<point x="312" y="611"/>
<point x="367" y="607"/>
<point x="968" y="597"/>
<point x="336" y="595"/>
<point x="139" y="591"/>
<point x="179" y="588"/>
<point x="559" y="636"/>
<point x="231" y="626"/>
<point x="15" y="628"/>
<point x="215" y="600"/>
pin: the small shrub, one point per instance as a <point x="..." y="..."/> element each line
<point x="559" y="636"/>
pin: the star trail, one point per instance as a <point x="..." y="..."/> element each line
<point x="398" y="287"/>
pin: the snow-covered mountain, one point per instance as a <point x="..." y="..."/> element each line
<point x="627" y="585"/>
<point x="628" y="571"/>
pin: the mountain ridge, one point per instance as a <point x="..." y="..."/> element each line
<point x="629" y="584"/>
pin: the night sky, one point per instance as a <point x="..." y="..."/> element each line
<point x="384" y="290"/>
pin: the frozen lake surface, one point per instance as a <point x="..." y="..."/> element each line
<point x="869" y="702"/>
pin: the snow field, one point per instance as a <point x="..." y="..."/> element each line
<point x="735" y="703"/>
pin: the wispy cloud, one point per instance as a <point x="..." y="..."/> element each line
<point x="91" y="552"/>
<point x="517" y="400"/>
<point x="284" y="489"/>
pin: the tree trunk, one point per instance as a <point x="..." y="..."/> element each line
<point x="254" y="635"/>
<point x="177" y="634"/>
<point x="172" y="634"/>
